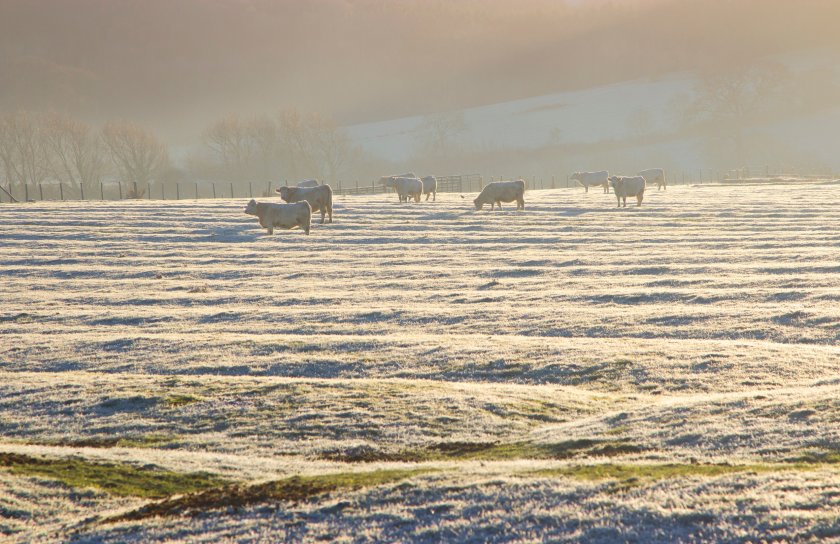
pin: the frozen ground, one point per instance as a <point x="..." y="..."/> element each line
<point x="570" y="372"/>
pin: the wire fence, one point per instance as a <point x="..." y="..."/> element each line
<point x="459" y="183"/>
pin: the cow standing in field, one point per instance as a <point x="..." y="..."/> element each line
<point x="502" y="191"/>
<point x="593" y="179"/>
<point x="430" y="187"/>
<point x="406" y="187"/>
<point x="624" y="186"/>
<point x="655" y="175"/>
<point x="319" y="198"/>
<point x="284" y="216"/>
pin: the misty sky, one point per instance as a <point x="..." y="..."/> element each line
<point x="177" y="65"/>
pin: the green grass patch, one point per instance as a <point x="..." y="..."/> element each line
<point x="293" y="489"/>
<point x="117" y="479"/>
<point x="487" y="451"/>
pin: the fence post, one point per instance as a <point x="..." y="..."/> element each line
<point x="214" y="189"/>
<point x="196" y="190"/>
<point x="101" y="191"/>
<point x="119" y="184"/>
<point x="231" y="189"/>
<point x="26" y="192"/>
<point x="373" y="187"/>
<point x="163" y="191"/>
<point x="177" y="191"/>
<point x="149" y="189"/>
<point x="61" y="190"/>
<point x="567" y="181"/>
<point x="269" y="188"/>
<point x="357" y="186"/>
<point x="136" y="194"/>
<point x="250" y="190"/>
<point x="41" y="190"/>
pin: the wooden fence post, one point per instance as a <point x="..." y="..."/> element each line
<point x="177" y="191"/>
<point x="26" y="192"/>
<point x="231" y="189"/>
<point x="41" y="190"/>
<point x="250" y="190"/>
<point x="196" y="190"/>
<point x="136" y="194"/>
<point x="214" y="189"/>
<point x="162" y="191"/>
<point x="82" y="190"/>
<point x="61" y="190"/>
<point x="101" y="191"/>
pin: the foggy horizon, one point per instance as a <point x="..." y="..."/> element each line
<point x="387" y="74"/>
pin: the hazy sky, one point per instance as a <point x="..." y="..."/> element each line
<point x="177" y="65"/>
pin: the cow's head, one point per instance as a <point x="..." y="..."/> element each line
<point x="251" y="208"/>
<point x="284" y="192"/>
<point x="478" y="204"/>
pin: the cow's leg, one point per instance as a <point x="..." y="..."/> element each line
<point x="270" y="231"/>
<point x="434" y="196"/>
<point x="499" y="203"/>
<point x="329" y="210"/>
<point x="586" y="188"/>
<point x="323" y="214"/>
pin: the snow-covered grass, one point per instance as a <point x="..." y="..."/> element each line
<point x="685" y="353"/>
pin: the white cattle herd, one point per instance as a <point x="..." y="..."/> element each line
<point x="310" y="196"/>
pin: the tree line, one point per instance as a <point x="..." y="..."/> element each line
<point x="38" y="147"/>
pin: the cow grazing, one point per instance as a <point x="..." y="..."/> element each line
<point x="319" y="198"/>
<point x="655" y="175"/>
<point x="284" y="216"/>
<point x="624" y="186"/>
<point x="406" y="187"/>
<point x="502" y="191"/>
<point x="592" y="179"/>
<point x="430" y="187"/>
<point x="308" y="183"/>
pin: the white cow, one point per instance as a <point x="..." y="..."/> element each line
<point x="655" y="175"/>
<point x="405" y="187"/>
<point x="502" y="191"/>
<point x="284" y="216"/>
<point x="592" y="179"/>
<point x="430" y="187"/>
<point x="624" y="186"/>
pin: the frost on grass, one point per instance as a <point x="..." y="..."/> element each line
<point x="674" y="351"/>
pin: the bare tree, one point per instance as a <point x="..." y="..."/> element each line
<point x="22" y="150"/>
<point x="727" y="103"/>
<point x="229" y="142"/>
<point x="332" y="147"/>
<point x="77" y="154"/>
<point x="439" y="133"/>
<point x="138" y="155"/>
<point x="297" y="143"/>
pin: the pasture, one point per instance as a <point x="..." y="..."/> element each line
<point x="424" y="371"/>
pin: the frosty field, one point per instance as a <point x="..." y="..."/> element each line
<point x="425" y="372"/>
